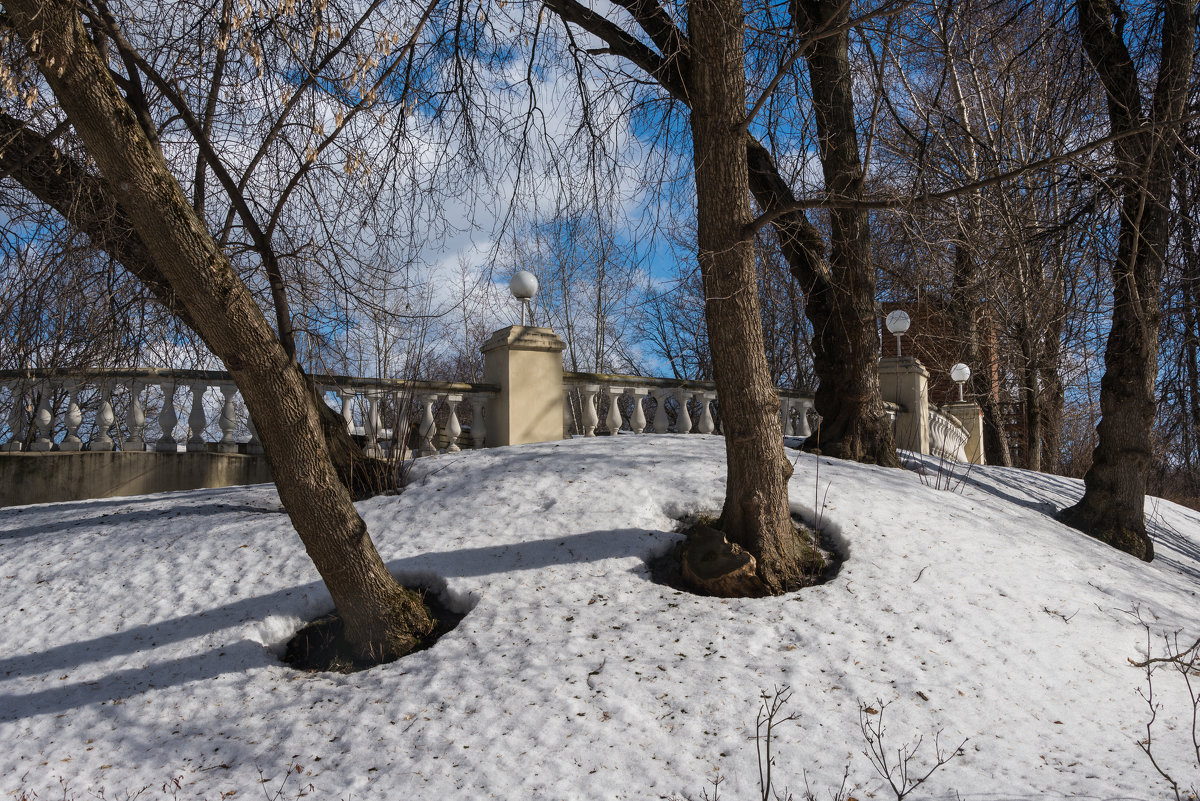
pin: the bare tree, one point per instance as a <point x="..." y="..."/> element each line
<point x="1112" y="508"/>
<point x="839" y="301"/>
<point x="756" y="512"/>
<point x="382" y="618"/>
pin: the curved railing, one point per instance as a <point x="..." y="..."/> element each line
<point x="947" y="437"/>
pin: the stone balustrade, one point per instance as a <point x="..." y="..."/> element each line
<point x="609" y="404"/>
<point x="132" y="423"/>
<point x="198" y="410"/>
<point x="176" y="411"/>
<point x="947" y="437"/>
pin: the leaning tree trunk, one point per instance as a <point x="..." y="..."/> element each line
<point x="381" y="617"/>
<point x="853" y="424"/>
<point x="84" y="201"/>
<point x="1113" y="506"/>
<point x="756" y="511"/>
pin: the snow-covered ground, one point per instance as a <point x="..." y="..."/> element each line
<point x="140" y="639"/>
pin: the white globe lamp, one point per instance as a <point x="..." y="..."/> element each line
<point x="523" y="285"/>
<point x="897" y="323"/>
<point x="961" y="374"/>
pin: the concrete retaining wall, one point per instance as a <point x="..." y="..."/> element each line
<point x="52" y="477"/>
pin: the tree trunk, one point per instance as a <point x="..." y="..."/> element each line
<point x="850" y="401"/>
<point x="381" y="618"/>
<point x="1112" y="508"/>
<point x="756" y="512"/>
<point x="968" y="314"/>
<point x="1053" y="396"/>
<point x="853" y="423"/>
<point x="1030" y="372"/>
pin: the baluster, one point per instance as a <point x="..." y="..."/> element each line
<point x="372" y="426"/>
<point x="705" y="399"/>
<point x="346" y="396"/>
<point x="568" y="417"/>
<point x="613" y="419"/>
<point x="197" y="419"/>
<point x="16" y="418"/>
<point x="802" y="407"/>
<point x="785" y="415"/>
<point x="228" y="421"/>
<point x="400" y="430"/>
<point x="44" y="420"/>
<point x="135" y="421"/>
<point x="167" y="420"/>
<point x="683" y="421"/>
<point x="105" y="417"/>
<point x="254" y="446"/>
<point x="662" y="420"/>
<point x="587" y="394"/>
<point x="453" y="427"/>
<point x="479" y="400"/>
<point x="637" y="420"/>
<point x="428" y="427"/>
<point x="72" y="418"/>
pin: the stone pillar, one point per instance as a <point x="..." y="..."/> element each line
<point x="526" y="363"/>
<point x="905" y="381"/>
<point x="970" y="415"/>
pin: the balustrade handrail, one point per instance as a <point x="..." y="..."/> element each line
<point x="947" y="435"/>
<point x="215" y="377"/>
<point x="41" y="421"/>
<point x="662" y="383"/>
<point x="950" y="420"/>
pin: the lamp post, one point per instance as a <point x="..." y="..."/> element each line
<point x="960" y="373"/>
<point x="523" y="285"/>
<point x="898" y="322"/>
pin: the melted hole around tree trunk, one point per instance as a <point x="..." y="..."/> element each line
<point x="821" y="557"/>
<point x="320" y="647"/>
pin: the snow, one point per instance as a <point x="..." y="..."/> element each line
<point x="141" y="639"/>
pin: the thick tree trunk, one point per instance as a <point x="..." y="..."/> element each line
<point x="1113" y="505"/>
<point x="853" y="424"/>
<point x="853" y="408"/>
<point x="848" y="397"/>
<point x="756" y="512"/>
<point x="84" y="201"/>
<point x="381" y="618"/>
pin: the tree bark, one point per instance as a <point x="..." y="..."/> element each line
<point x="381" y="618"/>
<point x="836" y="300"/>
<point x="1113" y="506"/>
<point x="756" y="512"/>
<point x="853" y="424"/>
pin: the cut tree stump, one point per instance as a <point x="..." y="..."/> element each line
<point x="712" y="565"/>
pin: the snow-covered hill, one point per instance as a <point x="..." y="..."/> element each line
<point x="139" y="639"/>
